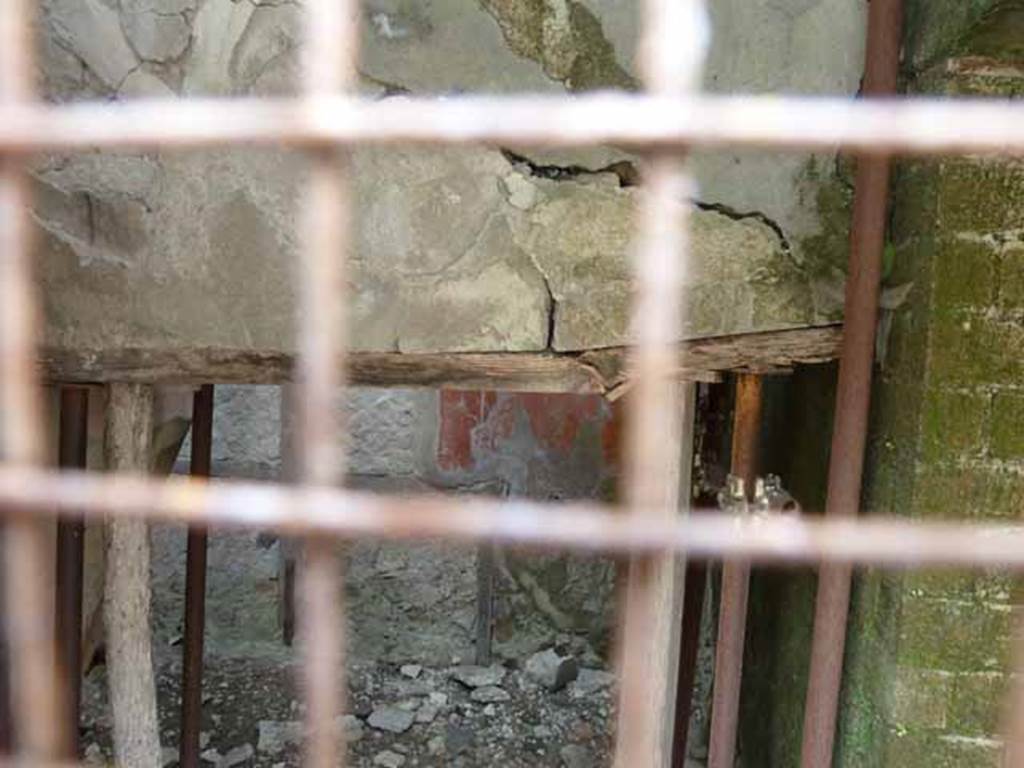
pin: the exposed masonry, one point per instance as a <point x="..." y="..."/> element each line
<point x="628" y="176"/>
<point x="731" y="213"/>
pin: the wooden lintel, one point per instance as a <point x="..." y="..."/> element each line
<point x="596" y="372"/>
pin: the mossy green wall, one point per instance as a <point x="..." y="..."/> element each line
<point x="927" y="652"/>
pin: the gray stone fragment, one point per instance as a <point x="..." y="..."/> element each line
<point x="168" y="756"/>
<point x="489" y="693"/>
<point x="551" y="670"/>
<point x="211" y="756"/>
<point x="275" y="735"/>
<point x="478" y="677"/>
<point x="94" y="755"/>
<point x="237" y="756"/>
<point x="427" y="713"/>
<point x="411" y="671"/>
<point x="575" y="756"/>
<point x="388" y="759"/>
<point x="436" y="745"/>
<point x="351" y="728"/>
<point x="92" y="31"/>
<point x="590" y="681"/>
<point x="391" y="719"/>
<point x="156" y="37"/>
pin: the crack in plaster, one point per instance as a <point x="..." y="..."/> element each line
<point x="731" y="213"/>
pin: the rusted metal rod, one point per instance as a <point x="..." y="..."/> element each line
<point x="689" y="647"/>
<point x="73" y="442"/>
<point x="732" y="618"/>
<point x="195" y="588"/>
<point x="870" y="126"/>
<point x="853" y="398"/>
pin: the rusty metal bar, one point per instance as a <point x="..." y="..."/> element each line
<point x="74" y="436"/>
<point x="195" y="588"/>
<point x="732" y="617"/>
<point x="38" y="717"/>
<point x="853" y="398"/>
<point x="870" y="126"/>
<point x="689" y="648"/>
<point x="671" y="60"/>
<point x="330" y="69"/>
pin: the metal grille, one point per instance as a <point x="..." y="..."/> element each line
<point x="663" y="123"/>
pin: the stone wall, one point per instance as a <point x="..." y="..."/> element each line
<point x="928" y="653"/>
<point x="930" y="669"/>
<point x="476" y="249"/>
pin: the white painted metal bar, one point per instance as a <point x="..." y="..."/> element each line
<point x="868" y="126"/>
<point x="330" y="57"/>
<point x="27" y="568"/>
<point x="672" y="51"/>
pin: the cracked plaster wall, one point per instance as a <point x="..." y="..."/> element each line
<point x="457" y="250"/>
<point x="475" y="249"/>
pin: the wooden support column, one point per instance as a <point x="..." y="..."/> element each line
<point x="664" y="577"/>
<point x="128" y="447"/>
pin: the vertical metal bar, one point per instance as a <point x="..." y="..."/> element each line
<point x="732" y="615"/>
<point x="485" y="571"/>
<point x="689" y="648"/>
<point x="195" y="588"/>
<point x="853" y="398"/>
<point x="37" y="709"/>
<point x="74" y="434"/>
<point x="332" y="44"/>
<point x="671" y="59"/>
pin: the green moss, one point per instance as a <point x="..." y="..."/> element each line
<point x="826" y="253"/>
<point x="954" y="635"/>
<point x="998" y="34"/>
<point x="1007" y="440"/>
<point x="925" y="749"/>
<point x="935" y="28"/>
<point x="976" y="704"/>
<point x="595" y="65"/>
<point x="966" y="273"/>
<point x="573" y="51"/>
<point x="870" y="667"/>
<point x="952" y="424"/>
<point x="980" y="196"/>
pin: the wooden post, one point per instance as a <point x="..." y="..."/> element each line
<point x="665" y="577"/>
<point x="128" y="442"/>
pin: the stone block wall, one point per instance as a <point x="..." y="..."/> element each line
<point x="417" y="602"/>
<point x="930" y="652"/>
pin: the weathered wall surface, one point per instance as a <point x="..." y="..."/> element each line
<point x="928" y="653"/>
<point x="416" y="602"/>
<point x="467" y="250"/>
<point x="929" y="668"/>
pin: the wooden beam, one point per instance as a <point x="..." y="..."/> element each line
<point x="592" y="372"/>
<point x="128" y="448"/>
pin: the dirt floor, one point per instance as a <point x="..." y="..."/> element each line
<point x="401" y="717"/>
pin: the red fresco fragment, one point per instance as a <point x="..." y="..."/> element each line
<point x="473" y="423"/>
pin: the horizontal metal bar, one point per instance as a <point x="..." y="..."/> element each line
<point x="890" y="542"/>
<point x="912" y="126"/>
